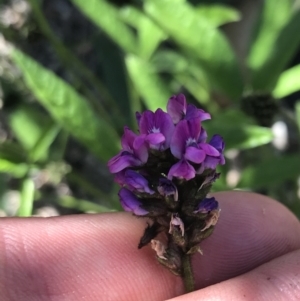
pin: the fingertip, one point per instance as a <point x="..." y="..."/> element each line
<point x="252" y="229"/>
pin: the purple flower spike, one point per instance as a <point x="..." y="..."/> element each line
<point x="130" y="202"/>
<point x="207" y="205"/>
<point x="178" y="110"/>
<point x="158" y="128"/>
<point x="167" y="188"/>
<point x="134" y="152"/>
<point x="137" y="182"/>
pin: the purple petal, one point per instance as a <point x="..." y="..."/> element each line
<point x="130" y="202"/>
<point x="194" y="126"/>
<point x="208" y="163"/>
<point x="193" y="112"/>
<point x="178" y="141"/>
<point x="209" y="150"/>
<point x="217" y="142"/>
<point x="120" y="178"/>
<point x="164" y="122"/>
<point x="222" y="160"/>
<point x="121" y="161"/>
<point x="155" y="138"/>
<point x="202" y="136"/>
<point x="146" y="124"/>
<point x="140" y="148"/>
<point x="207" y="205"/>
<point x="128" y="139"/>
<point x="135" y="181"/>
<point x="182" y="170"/>
<point x="176" y="107"/>
<point x="194" y="154"/>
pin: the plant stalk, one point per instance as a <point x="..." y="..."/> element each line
<point x="187" y="277"/>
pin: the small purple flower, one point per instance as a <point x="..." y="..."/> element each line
<point x="182" y="170"/>
<point x="211" y="161"/>
<point x="184" y="146"/>
<point x="134" y="181"/>
<point x="134" y="152"/>
<point x="207" y="205"/>
<point x="218" y="143"/>
<point x="130" y="202"/>
<point x="158" y="128"/>
<point x="167" y="188"/>
<point x="178" y="110"/>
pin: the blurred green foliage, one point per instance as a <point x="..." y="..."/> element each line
<point x="163" y="47"/>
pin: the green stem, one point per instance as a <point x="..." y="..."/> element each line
<point x="187" y="277"/>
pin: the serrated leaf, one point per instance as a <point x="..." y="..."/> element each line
<point x="68" y="108"/>
<point x="148" y="84"/>
<point x="200" y="39"/>
<point x="217" y="14"/>
<point x="270" y="172"/>
<point x="281" y="52"/>
<point x="288" y="82"/>
<point x="106" y="16"/>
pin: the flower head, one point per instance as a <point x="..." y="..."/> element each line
<point x="165" y="173"/>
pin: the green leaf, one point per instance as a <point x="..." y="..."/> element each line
<point x="287" y="42"/>
<point x="68" y="108"/>
<point x="106" y="16"/>
<point x="43" y="143"/>
<point x="28" y="124"/>
<point x="27" y="198"/>
<point x="35" y="131"/>
<point x="274" y="15"/>
<point x="170" y="61"/>
<point x="13" y="152"/>
<point x="149" y="34"/>
<point x="288" y="82"/>
<point x="271" y="172"/>
<point x="237" y="130"/>
<point x="17" y="170"/>
<point x="200" y="39"/>
<point x="147" y="82"/>
<point x="217" y="14"/>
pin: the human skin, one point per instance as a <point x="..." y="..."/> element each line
<point x="253" y="254"/>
